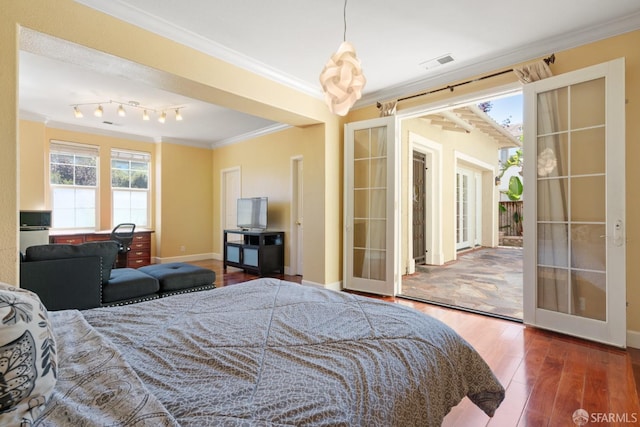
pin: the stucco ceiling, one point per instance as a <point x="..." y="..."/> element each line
<point x="289" y="41"/>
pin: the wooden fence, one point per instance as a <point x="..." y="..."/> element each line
<point x="510" y="221"/>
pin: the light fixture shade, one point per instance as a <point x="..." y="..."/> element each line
<point x="178" y="115"/>
<point x="162" y="117"/>
<point x="145" y="115"/>
<point x="77" y="113"/>
<point x="121" y="111"/>
<point x="98" y="111"/>
<point x="342" y="80"/>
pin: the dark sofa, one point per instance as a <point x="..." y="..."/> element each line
<point x="82" y="276"/>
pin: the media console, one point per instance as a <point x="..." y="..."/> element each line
<point x="254" y="251"/>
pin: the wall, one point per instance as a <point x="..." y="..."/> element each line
<point x="265" y="168"/>
<point x="185" y="179"/>
<point x="33" y="166"/>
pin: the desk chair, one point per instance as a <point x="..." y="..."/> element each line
<point x="123" y="235"/>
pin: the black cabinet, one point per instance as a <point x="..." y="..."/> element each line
<point x="258" y="252"/>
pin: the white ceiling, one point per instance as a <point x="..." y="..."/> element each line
<point x="289" y="41"/>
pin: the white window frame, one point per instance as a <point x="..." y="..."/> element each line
<point x="75" y="149"/>
<point x="130" y="156"/>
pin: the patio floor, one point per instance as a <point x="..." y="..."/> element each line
<point x="484" y="280"/>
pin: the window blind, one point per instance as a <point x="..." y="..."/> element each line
<point x="65" y="147"/>
<point x="135" y="156"/>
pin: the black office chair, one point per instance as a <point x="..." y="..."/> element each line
<point x="122" y="234"/>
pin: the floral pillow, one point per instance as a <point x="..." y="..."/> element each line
<point x="28" y="359"/>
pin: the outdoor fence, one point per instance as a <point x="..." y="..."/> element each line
<point x="510" y="221"/>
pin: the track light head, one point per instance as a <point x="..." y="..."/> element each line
<point x="163" y="117"/>
<point x="77" y="113"/>
<point x="145" y="115"/>
<point x="98" y="111"/>
<point x="178" y="115"/>
<point x="121" y="111"/>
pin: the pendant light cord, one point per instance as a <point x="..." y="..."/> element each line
<point x="344" y="15"/>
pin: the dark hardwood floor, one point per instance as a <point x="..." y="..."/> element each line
<point x="547" y="376"/>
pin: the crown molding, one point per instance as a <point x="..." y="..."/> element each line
<point x="39" y="118"/>
<point x="125" y="12"/>
<point x="250" y="135"/>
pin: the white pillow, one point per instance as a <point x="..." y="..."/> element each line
<point x="28" y="357"/>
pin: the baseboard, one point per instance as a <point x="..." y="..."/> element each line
<point x="336" y="286"/>
<point x="184" y="258"/>
<point x="633" y="339"/>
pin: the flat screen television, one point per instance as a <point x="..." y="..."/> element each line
<point x="252" y="213"/>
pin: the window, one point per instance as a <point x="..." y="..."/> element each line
<point x="74" y="184"/>
<point x="130" y="187"/>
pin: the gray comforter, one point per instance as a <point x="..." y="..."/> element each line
<point x="274" y="353"/>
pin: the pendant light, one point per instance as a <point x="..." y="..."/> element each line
<point x="342" y="79"/>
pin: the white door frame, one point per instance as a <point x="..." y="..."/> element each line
<point x="296" y="247"/>
<point x="224" y="177"/>
<point x="433" y="200"/>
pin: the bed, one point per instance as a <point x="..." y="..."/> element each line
<point x="262" y="353"/>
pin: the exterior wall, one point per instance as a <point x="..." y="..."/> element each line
<point x="474" y="145"/>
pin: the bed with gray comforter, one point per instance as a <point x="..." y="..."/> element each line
<point x="263" y="353"/>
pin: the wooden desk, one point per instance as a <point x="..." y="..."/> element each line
<point x="139" y="256"/>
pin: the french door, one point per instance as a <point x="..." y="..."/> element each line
<point x="371" y="207"/>
<point x="463" y="209"/>
<point x="574" y="270"/>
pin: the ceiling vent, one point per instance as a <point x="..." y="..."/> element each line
<point x="436" y="62"/>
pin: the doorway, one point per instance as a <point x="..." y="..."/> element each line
<point x="472" y="271"/>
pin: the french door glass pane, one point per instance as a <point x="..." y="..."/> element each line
<point x="571" y="200"/>
<point x="369" y="196"/>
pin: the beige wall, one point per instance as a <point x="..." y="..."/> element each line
<point x="476" y="145"/>
<point x="33" y="166"/>
<point x="265" y="167"/>
<point x="185" y="182"/>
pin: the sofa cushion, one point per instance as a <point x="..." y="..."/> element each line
<point x="107" y="250"/>
<point x="28" y="361"/>
<point x="128" y="283"/>
<point x="177" y="275"/>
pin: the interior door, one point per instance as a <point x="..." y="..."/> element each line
<point x="574" y="270"/>
<point x="371" y="207"/>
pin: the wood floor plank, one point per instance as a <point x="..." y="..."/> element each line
<point x="546" y="375"/>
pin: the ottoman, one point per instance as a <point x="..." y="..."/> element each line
<point x="178" y="277"/>
<point x="128" y="285"/>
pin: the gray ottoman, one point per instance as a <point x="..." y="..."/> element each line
<point x="178" y="277"/>
<point x="128" y="285"/>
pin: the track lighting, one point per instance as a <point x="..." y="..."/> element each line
<point x="99" y="111"/>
